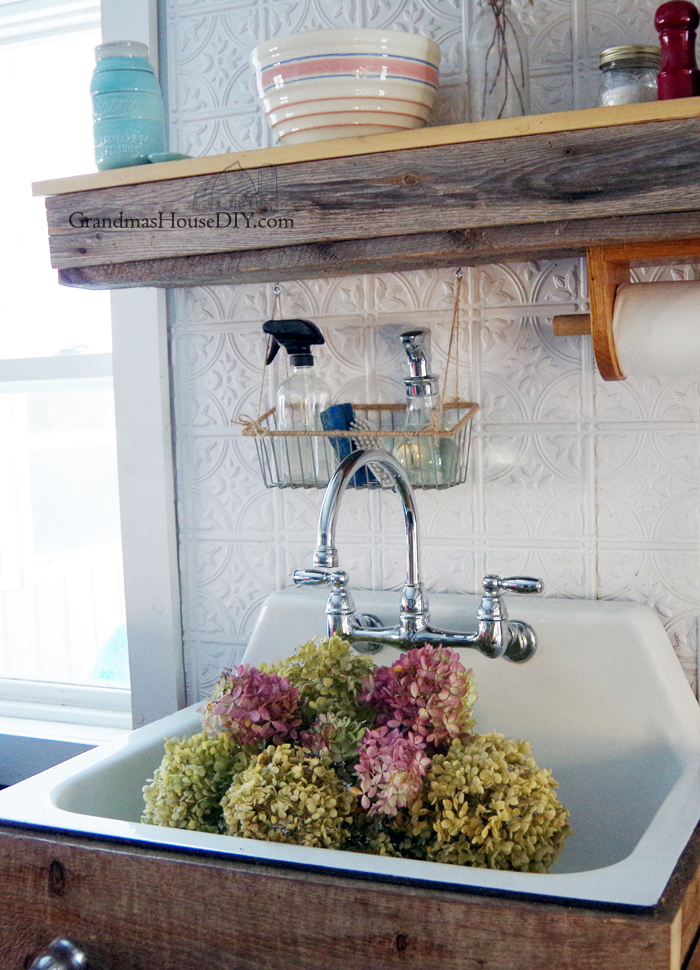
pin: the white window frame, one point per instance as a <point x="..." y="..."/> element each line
<point x="141" y="373"/>
<point x="141" y="376"/>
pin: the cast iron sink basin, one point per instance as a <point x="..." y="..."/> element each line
<point x="604" y="703"/>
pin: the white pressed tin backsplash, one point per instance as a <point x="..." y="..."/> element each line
<point x="592" y="486"/>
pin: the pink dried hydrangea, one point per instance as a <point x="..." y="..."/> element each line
<point x="390" y="770"/>
<point x="427" y="691"/>
<point x="252" y="706"/>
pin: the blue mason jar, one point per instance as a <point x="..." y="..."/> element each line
<point x="127" y="106"/>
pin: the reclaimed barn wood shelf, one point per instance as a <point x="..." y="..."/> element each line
<point x="137" y="908"/>
<point x="524" y="188"/>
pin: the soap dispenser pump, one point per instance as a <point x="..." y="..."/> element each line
<point x="300" y="400"/>
<point x="428" y="460"/>
<point x="422" y="388"/>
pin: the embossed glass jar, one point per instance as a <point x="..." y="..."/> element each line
<point x="127" y="106"/>
<point x="628" y="74"/>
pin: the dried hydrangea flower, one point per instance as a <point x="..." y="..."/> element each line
<point x="287" y="795"/>
<point x="338" y="736"/>
<point x="487" y="804"/>
<point x="427" y="691"/>
<point x="186" y="790"/>
<point x="252" y="706"/>
<point x="390" y="770"/>
<point x="329" y="675"/>
<point x="381" y="835"/>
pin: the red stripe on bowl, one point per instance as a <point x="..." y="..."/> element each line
<point x="317" y="68"/>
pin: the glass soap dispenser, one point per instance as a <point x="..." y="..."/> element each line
<point x="428" y="460"/>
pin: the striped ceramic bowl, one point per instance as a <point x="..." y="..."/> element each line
<point x="334" y="83"/>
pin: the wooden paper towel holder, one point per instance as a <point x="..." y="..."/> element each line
<point x="608" y="267"/>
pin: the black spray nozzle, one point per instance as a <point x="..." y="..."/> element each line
<point x="296" y="336"/>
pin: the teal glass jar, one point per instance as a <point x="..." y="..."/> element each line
<point x="127" y="106"/>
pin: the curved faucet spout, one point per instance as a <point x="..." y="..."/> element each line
<point x="326" y="553"/>
<point x="495" y="634"/>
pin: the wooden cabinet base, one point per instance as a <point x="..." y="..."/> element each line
<point x="139" y="909"/>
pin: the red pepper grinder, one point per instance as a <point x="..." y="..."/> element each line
<point x="679" y="77"/>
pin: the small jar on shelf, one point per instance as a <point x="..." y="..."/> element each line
<point x="628" y="74"/>
<point x="127" y="106"/>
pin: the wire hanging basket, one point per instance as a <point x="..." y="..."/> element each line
<point x="434" y="457"/>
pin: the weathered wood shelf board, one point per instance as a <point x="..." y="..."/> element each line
<point x="142" y="909"/>
<point x="525" y="188"/>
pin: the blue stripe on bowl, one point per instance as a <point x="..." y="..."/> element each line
<point x="311" y="57"/>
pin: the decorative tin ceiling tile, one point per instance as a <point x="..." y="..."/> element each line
<point x="592" y="485"/>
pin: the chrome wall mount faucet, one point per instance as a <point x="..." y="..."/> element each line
<point x="495" y="635"/>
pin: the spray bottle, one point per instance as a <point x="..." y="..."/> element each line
<point x="300" y="400"/>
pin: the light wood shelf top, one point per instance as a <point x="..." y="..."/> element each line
<point x="555" y="122"/>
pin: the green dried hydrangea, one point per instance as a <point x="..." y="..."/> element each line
<point x="287" y="795"/>
<point x="486" y="803"/>
<point x="380" y="835"/>
<point x="481" y="802"/>
<point x="329" y="676"/>
<point x="186" y="790"/>
<point x="339" y="736"/>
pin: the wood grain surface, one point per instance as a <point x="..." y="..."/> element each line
<point x="626" y="170"/>
<point x="571" y="324"/>
<point x="369" y="144"/>
<point x="143" y="909"/>
<point x="387" y="254"/>
<point x="604" y="276"/>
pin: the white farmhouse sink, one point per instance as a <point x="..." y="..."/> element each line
<point x="604" y="703"/>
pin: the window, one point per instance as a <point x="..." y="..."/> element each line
<point x="62" y="619"/>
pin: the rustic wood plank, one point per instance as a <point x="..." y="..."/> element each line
<point x="637" y="251"/>
<point x="523" y="181"/>
<point x="388" y="254"/>
<point x="694" y="962"/>
<point x="139" y="909"/>
<point x="681" y="897"/>
<point x="370" y="144"/>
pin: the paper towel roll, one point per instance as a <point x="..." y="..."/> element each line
<point x="656" y="328"/>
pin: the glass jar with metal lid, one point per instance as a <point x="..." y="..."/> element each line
<point x="629" y="74"/>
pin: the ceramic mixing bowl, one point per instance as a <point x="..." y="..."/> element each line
<point x="335" y="83"/>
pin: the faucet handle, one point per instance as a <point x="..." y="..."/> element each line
<point x="320" y="576"/>
<point x="513" y="584"/>
<point x="519" y="640"/>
